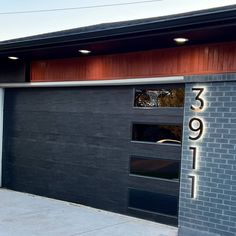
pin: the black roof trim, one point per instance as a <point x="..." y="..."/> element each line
<point x="204" y="18"/>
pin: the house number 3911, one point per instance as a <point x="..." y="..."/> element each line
<point x="196" y="128"/>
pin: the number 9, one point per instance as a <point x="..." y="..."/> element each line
<point x="198" y="129"/>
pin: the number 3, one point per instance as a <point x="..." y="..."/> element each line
<point x="197" y="98"/>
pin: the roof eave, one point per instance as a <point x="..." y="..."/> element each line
<point x="212" y="18"/>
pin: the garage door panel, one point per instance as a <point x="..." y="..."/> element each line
<point x="48" y="182"/>
<point x="34" y="155"/>
<point x="70" y="100"/>
<point x="76" y="144"/>
<point x="94" y="140"/>
<point x="74" y="124"/>
<point x="81" y="156"/>
<point x="61" y="152"/>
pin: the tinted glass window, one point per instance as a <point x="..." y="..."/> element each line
<point x="172" y="97"/>
<point x="154" y="202"/>
<point x="169" y="134"/>
<point x="167" y="169"/>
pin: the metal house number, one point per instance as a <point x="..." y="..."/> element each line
<point x="196" y="127"/>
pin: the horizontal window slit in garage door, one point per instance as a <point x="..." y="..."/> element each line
<point x="159" y="97"/>
<point x="157" y="168"/>
<point x="153" y="202"/>
<point x="166" y="134"/>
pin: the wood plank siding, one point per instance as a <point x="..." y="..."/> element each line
<point x="187" y="60"/>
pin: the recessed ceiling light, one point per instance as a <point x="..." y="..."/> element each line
<point x="83" y="51"/>
<point x="181" y="40"/>
<point x="13" y="58"/>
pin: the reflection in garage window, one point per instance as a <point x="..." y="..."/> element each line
<point x="154" y="202"/>
<point x="168" y="134"/>
<point x="167" y="169"/>
<point x="171" y="97"/>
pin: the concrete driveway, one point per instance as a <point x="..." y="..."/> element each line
<point x="29" y="215"/>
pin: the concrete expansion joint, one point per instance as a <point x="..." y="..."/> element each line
<point x="101" y="228"/>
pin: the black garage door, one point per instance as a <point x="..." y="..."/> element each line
<point x="114" y="148"/>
